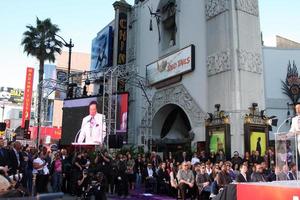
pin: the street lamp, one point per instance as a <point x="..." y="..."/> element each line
<point x="70" y="45"/>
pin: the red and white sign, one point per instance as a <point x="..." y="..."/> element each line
<point x="262" y="192"/>
<point x="50" y="132"/>
<point x="27" y="95"/>
<point x="175" y="64"/>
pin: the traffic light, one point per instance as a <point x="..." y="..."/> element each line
<point x="27" y="135"/>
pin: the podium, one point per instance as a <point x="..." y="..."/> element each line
<point x="287" y="148"/>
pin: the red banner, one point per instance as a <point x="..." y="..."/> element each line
<point x="53" y="132"/>
<point x="27" y="96"/>
<point x="262" y="192"/>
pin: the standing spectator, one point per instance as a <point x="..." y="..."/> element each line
<point x="155" y="160"/>
<point x="66" y="171"/>
<point x="257" y="159"/>
<point x="202" y="157"/>
<point x="270" y="158"/>
<point x="130" y="172"/>
<point x="170" y="158"/>
<point x="113" y="173"/>
<point x="28" y="167"/>
<point x="220" y="156"/>
<point x="77" y="168"/>
<point x="100" y="187"/>
<point x="183" y="157"/>
<point x="186" y="179"/>
<point x="248" y="159"/>
<point x="56" y="173"/>
<point x="16" y="158"/>
<point x="122" y="178"/>
<point x="102" y="161"/>
<point x="4" y="154"/>
<point x="195" y="159"/>
<point x="82" y="183"/>
<point x="40" y="169"/>
<point x="138" y="170"/>
<point x="212" y="157"/>
<point x="236" y="159"/>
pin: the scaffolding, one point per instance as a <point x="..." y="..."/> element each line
<point x="109" y="78"/>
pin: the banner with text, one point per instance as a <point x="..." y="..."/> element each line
<point x="27" y="95"/>
<point x="175" y="64"/>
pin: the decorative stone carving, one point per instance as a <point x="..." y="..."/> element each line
<point x="218" y="62"/>
<point x="248" y="6"/>
<point x="249" y="61"/>
<point x="178" y="95"/>
<point x="215" y="7"/>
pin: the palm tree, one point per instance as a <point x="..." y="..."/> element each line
<point x="39" y="41"/>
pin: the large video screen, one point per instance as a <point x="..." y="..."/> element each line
<point x="82" y="126"/>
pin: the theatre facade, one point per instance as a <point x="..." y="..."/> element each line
<point x="202" y="66"/>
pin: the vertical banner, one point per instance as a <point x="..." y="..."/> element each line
<point x="122" y="39"/>
<point x="27" y="96"/>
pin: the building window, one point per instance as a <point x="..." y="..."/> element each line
<point x="168" y="23"/>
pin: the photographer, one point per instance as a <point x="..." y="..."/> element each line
<point x="103" y="164"/>
<point x="99" y="186"/>
<point x="83" y="184"/>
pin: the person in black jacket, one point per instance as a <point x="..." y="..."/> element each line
<point x="163" y="179"/>
<point x="122" y="178"/>
<point x="243" y="176"/>
<point x="16" y="161"/>
<point x="150" y="178"/>
<point x="4" y="154"/>
<point x="258" y="175"/>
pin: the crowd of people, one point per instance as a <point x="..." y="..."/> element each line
<point x="30" y="171"/>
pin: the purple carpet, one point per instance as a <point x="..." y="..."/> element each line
<point x="140" y="195"/>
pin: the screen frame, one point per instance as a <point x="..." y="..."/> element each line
<point x="124" y="134"/>
<point x="249" y="128"/>
<point x="227" y="138"/>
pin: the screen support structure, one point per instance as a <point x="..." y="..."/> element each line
<point x="109" y="77"/>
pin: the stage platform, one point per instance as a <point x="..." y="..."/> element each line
<point x="277" y="190"/>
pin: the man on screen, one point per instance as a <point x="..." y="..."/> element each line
<point x="93" y="129"/>
<point x="295" y="127"/>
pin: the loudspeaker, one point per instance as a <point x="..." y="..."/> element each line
<point x="115" y="141"/>
<point x="2" y="126"/>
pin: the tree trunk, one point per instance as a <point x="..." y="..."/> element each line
<point x="40" y="96"/>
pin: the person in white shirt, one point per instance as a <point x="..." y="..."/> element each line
<point x="295" y="127"/>
<point x="40" y="169"/>
<point x="195" y="159"/>
<point x="93" y="128"/>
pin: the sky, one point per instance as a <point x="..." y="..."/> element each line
<point x="82" y="19"/>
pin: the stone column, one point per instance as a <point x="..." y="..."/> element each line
<point x="234" y="61"/>
<point x="121" y="8"/>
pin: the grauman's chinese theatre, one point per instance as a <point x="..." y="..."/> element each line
<point x="197" y="57"/>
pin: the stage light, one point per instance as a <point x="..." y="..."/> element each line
<point x="254" y="105"/>
<point x="218" y="106"/>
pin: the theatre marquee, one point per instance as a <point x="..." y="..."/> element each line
<point x="172" y="65"/>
